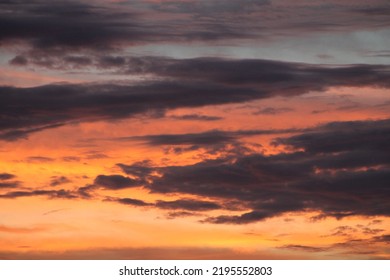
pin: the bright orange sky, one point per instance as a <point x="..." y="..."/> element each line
<point x="149" y="135"/>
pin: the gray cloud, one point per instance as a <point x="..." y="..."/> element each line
<point x="116" y="182"/>
<point x="59" y="180"/>
<point x="6" y="181"/>
<point x="49" y="193"/>
<point x="191" y="83"/>
<point x="188" y="204"/>
<point x="337" y="177"/>
<point x="196" y="117"/>
<point x="273" y="111"/>
<point x="133" y="202"/>
<point x="6" y="176"/>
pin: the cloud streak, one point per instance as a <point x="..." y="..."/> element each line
<point x="28" y="110"/>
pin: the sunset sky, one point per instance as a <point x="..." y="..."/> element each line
<point x="195" y="129"/>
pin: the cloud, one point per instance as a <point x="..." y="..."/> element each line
<point x="212" y="82"/>
<point x="207" y="8"/>
<point x="383" y="238"/>
<point x="340" y="169"/>
<point x="99" y="26"/>
<point x="311" y="249"/>
<point x="273" y="111"/>
<point x="188" y="204"/>
<point x="65" y="194"/>
<point x="6" y="176"/>
<point x="196" y="117"/>
<point x="59" y="180"/>
<point x="343" y="136"/>
<point x="5" y="181"/>
<point x="351" y="248"/>
<point x="180" y="214"/>
<point x="74" y="25"/>
<point x="116" y="182"/>
<point x="133" y="202"/>
<point x="12" y="184"/>
<point x="66" y="24"/>
<point x="141" y="169"/>
<point x="16" y="134"/>
<point x="203" y="138"/>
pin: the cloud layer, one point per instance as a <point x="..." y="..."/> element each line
<point x="339" y="169"/>
<point x="182" y="84"/>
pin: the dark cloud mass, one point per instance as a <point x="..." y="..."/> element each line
<point x="6" y="181"/>
<point x="188" y="204"/>
<point x="65" y="25"/>
<point x="346" y="173"/>
<point x="64" y="194"/>
<point x="133" y="202"/>
<point x="184" y="205"/>
<point x="196" y="117"/>
<point x="6" y="176"/>
<point x="28" y="110"/>
<point x="212" y="137"/>
<point x="115" y="182"/>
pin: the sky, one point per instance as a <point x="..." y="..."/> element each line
<point x="194" y="129"/>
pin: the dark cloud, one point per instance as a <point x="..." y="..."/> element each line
<point x="52" y="105"/>
<point x="352" y="247"/>
<point x="343" y="136"/>
<point x="86" y="192"/>
<point x="180" y="214"/>
<point x="116" y="182"/>
<point x="9" y="184"/>
<point x="192" y="83"/>
<point x="6" y="176"/>
<point x="341" y="169"/>
<point x="211" y="8"/>
<point x="383" y="238"/>
<point x="19" y="60"/>
<point x="185" y="205"/>
<point x="273" y="111"/>
<point x="267" y="75"/>
<point x="271" y="75"/>
<point x="16" y="134"/>
<point x="49" y="193"/>
<point x="196" y="117"/>
<point x="141" y="169"/>
<point x="133" y="202"/>
<point x="67" y="28"/>
<point x="59" y="180"/>
<point x="71" y="25"/>
<point x="188" y="204"/>
<point x="66" y="24"/>
<point x="203" y="138"/>
<point x="5" y="181"/>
